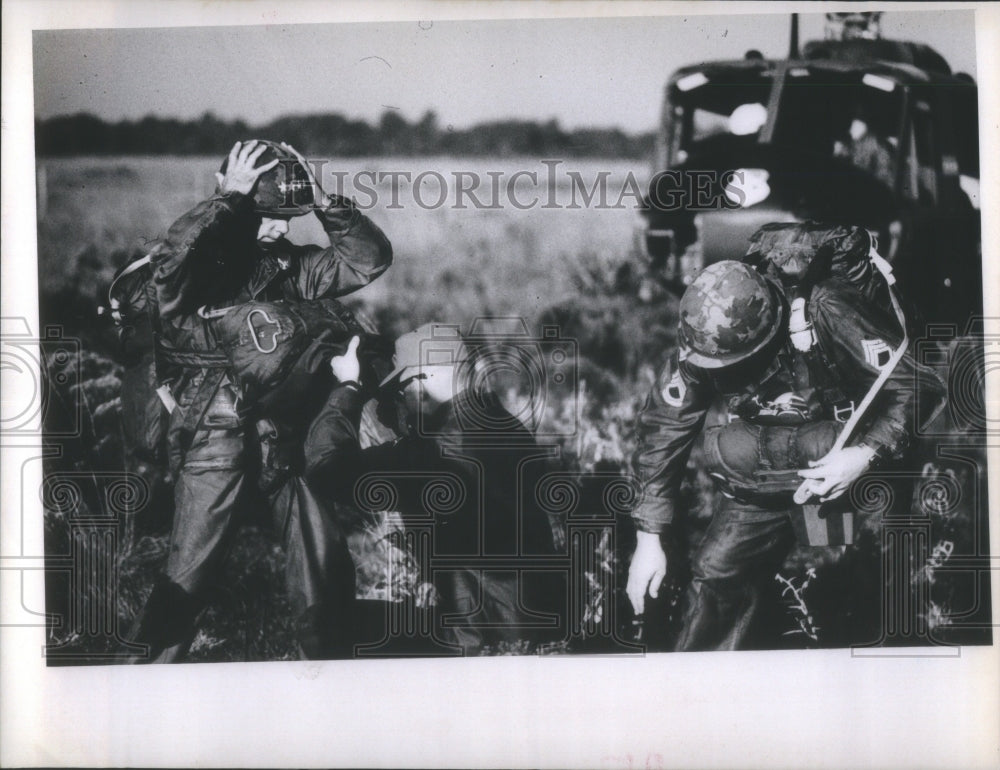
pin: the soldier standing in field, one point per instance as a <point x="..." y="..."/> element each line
<point x="227" y="251"/>
<point x="790" y="357"/>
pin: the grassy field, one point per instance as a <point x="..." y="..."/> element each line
<point x="570" y="267"/>
<point x="460" y="262"/>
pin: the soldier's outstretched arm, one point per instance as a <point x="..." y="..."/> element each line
<point x="335" y="461"/>
<point x="668" y="423"/>
<point x="667" y="426"/>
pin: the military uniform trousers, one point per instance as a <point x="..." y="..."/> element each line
<point x="212" y="494"/>
<point x="731" y="602"/>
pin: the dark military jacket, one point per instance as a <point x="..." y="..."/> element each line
<point x="854" y="339"/>
<point x="211" y="260"/>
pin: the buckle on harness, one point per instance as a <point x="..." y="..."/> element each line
<point x="843" y="413"/>
<point x="254" y="332"/>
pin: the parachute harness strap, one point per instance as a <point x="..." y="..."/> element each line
<point x="886" y="270"/>
<point x="802" y="494"/>
<point x="209" y="314"/>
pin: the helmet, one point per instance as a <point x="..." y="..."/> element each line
<point x="284" y="191"/>
<point x="728" y="313"/>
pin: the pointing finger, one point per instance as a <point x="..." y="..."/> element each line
<point x="352" y="346"/>
<point x="638" y="602"/>
<point x="636" y="595"/>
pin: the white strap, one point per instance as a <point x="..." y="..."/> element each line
<point x="800" y="331"/>
<point x="897" y="355"/>
<point x="127" y="270"/>
<point x="881" y="264"/>
<point x="113" y="303"/>
<point x="218" y="312"/>
<point x="883" y="377"/>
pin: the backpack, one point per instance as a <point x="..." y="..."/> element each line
<point x="801" y="254"/>
<point x="798" y="255"/>
<point x="146" y="402"/>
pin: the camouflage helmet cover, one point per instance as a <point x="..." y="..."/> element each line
<point x="728" y="313"/>
<point x="284" y="191"/>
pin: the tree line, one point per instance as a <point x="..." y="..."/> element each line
<point x="334" y="135"/>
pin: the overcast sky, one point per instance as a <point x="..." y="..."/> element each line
<point x="582" y="72"/>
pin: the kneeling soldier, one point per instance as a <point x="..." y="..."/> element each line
<point x="489" y="539"/>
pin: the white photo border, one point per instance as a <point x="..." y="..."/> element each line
<point x="766" y="709"/>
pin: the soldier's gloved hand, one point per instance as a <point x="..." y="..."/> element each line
<point x="241" y="175"/>
<point x="647" y="570"/>
<point x="829" y="477"/>
<point x="346" y="368"/>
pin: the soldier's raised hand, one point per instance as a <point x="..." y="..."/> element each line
<point x="242" y="172"/>
<point x="647" y="570"/>
<point x="346" y="367"/>
<point x="319" y="194"/>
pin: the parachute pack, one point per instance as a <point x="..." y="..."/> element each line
<point x="146" y="402"/>
<point x="799" y="255"/>
<point x="275" y="350"/>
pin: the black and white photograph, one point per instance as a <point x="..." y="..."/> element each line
<point x="502" y="344"/>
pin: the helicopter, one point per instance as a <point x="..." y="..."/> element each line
<point x="855" y="129"/>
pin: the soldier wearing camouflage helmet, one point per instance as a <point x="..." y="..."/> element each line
<point x="727" y="315"/>
<point x="788" y="368"/>
<point x="228" y="251"/>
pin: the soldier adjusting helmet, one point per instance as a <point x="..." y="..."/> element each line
<point x="728" y="313"/>
<point x="286" y="190"/>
